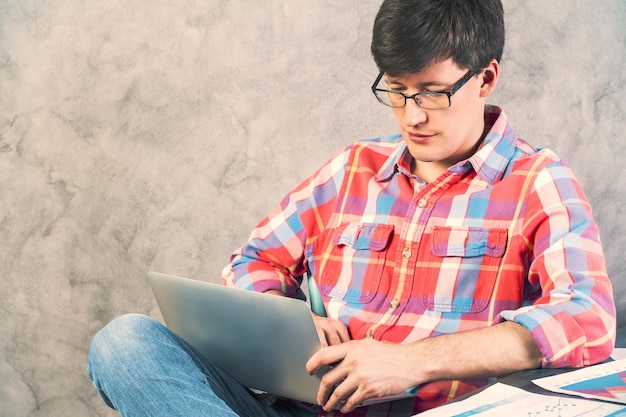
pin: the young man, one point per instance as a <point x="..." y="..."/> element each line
<point x="446" y="255"/>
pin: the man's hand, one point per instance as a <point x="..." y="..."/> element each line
<point x="331" y="332"/>
<point x="360" y="370"/>
<point x="363" y="369"/>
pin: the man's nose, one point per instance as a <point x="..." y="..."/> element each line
<point x="414" y="114"/>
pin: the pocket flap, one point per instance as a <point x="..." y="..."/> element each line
<point x="363" y="236"/>
<point x="468" y="241"/>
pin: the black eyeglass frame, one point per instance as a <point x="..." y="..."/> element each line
<point x="449" y="93"/>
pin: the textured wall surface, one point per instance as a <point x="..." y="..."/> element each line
<point x="140" y="136"/>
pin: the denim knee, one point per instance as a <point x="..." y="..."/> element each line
<point x="120" y="341"/>
<point x="114" y="347"/>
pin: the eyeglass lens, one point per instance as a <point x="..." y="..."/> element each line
<point x="425" y="100"/>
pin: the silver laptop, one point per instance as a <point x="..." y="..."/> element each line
<point x="262" y="341"/>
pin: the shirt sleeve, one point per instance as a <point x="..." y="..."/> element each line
<point x="573" y="319"/>
<point x="273" y="256"/>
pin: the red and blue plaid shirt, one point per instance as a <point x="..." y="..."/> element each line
<point x="504" y="235"/>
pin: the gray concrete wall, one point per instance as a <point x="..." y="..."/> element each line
<point x="140" y="135"/>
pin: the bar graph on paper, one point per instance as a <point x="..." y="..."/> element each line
<point x="605" y="382"/>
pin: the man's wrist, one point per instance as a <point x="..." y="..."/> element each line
<point x="276" y="292"/>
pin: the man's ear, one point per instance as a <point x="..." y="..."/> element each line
<point x="490" y="76"/>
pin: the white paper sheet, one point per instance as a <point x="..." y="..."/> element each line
<point x="501" y="400"/>
<point x="618" y="353"/>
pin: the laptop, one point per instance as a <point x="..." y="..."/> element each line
<point x="262" y="341"/>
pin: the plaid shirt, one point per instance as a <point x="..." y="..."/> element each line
<point x="504" y="235"/>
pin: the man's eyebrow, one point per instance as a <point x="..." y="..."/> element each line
<point x="425" y="84"/>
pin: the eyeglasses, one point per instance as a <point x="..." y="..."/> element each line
<point x="430" y="100"/>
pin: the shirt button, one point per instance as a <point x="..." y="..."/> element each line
<point x="369" y="334"/>
<point x="394" y="304"/>
<point x="422" y="203"/>
<point x="406" y="253"/>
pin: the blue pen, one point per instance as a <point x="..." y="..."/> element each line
<point x="315" y="297"/>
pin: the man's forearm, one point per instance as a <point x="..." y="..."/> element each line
<point x="493" y="351"/>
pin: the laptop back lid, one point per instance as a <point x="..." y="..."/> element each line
<point x="263" y="341"/>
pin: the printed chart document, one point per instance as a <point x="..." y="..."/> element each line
<point x="606" y="381"/>
<point x="501" y="400"/>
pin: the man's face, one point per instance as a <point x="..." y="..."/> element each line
<point x="438" y="139"/>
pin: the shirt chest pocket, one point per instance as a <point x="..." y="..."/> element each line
<point x="462" y="267"/>
<point x="349" y="260"/>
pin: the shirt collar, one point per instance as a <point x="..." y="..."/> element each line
<point x="399" y="161"/>
<point x="489" y="162"/>
<point x="497" y="149"/>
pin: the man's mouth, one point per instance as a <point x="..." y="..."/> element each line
<point x="420" y="137"/>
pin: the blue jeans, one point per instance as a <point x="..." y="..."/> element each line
<point x="141" y="368"/>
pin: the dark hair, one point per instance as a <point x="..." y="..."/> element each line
<point x="410" y="35"/>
